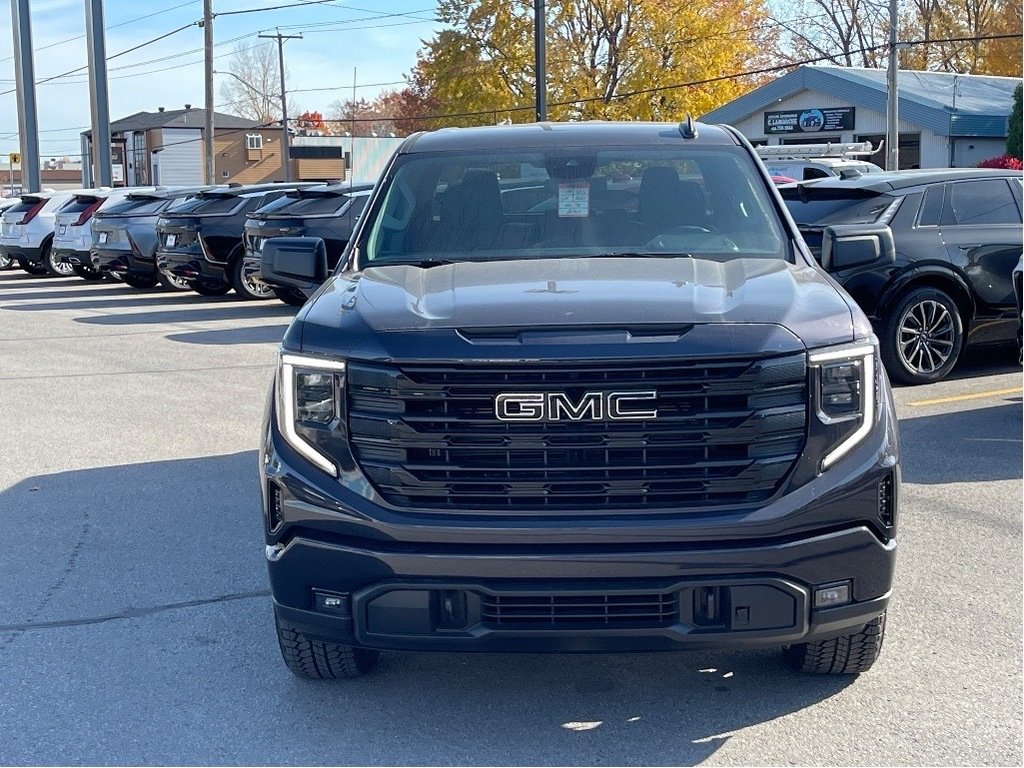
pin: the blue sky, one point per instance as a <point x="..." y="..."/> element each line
<point x="379" y="38"/>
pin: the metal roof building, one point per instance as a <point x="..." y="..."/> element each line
<point x="946" y="120"/>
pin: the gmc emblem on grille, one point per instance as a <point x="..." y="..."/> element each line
<point x="555" y="406"/>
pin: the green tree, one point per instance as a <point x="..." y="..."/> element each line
<point x="1013" y="141"/>
<point x="597" y="51"/>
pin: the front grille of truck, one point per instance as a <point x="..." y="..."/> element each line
<point x="579" y="611"/>
<point x="727" y="432"/>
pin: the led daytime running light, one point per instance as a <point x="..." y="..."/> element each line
<point x="287" y="405"/>
<point x="866" y="354"/>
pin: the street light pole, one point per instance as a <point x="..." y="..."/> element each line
<point x="25" y="83"/>
<point x="209" y="170"/>
<point x="892" y="110"/>
<point x="539" y="60"/>
<point x="97" y="50"/>
<point x="285" y="150"/>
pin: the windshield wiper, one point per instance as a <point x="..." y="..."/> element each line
<point x="421" y="263"/>
<point x="641" y="255"/>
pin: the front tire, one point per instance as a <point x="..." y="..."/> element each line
<point x="209" y="287"/>
<point x="5" y="261"/>
<point x="922" y="337"/>
<point x="848" y="654"/>
<point x="320" y="660"/>
<point x="248" y="287"/>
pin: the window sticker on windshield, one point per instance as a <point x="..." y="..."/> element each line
<point x="574" y="200"/>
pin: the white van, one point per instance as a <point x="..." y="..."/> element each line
<point x="817" y="161"/>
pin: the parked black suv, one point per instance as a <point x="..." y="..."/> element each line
<point x="637" y="417"/>
<point x="957" y="235"/>
<point x="328" y="212"/>
<point x="124" y="237"/>
<point x="200" y="240"/>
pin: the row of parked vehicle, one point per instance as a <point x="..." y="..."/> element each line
<point x="205" y="239"/>
<point x="933" y="266"/>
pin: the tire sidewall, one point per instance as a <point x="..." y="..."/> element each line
<point x="241" y="287"/>
<point x="893" y="361"/>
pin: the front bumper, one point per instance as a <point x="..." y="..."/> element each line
<point x="397" y="573"/>
<point x="404" y="600"/>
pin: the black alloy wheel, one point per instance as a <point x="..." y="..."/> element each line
<point x="923" y="337"/>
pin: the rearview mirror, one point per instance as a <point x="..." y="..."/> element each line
<point x="294" y="262"/>
<point x="844" y="246"/>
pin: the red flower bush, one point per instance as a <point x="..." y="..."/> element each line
<point x="1003" y="161"/>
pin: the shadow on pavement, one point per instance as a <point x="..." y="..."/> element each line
<point x="964" y="446"/>
<point x="188" y="313"/>
<point x="986" y="361"/>
<point x="263" y="334"/>
<point x="179" y="299"/>
<point x="153" y="573"/>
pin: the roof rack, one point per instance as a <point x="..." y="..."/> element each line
<point x="802" y="151"/>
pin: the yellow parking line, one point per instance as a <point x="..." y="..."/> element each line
<point x="972" y="396"/>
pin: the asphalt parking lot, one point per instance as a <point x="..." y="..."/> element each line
<point x="135" y="622"/>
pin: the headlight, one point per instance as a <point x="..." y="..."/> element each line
<point x="310" y="406"/>
<point x="845" y="395"/>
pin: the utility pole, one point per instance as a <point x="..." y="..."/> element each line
<point x="892" y="107"/>
<point x="25" y="83"/>
<point x="285" y="151"/>
<point x="101" y="160"/>
<point x="540" y="65"/>
<point x="208" y="162"/>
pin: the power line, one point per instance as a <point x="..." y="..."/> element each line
<point x="674" y="86"/>
<point x="114" y="56"/>
<point x="112" y="26"/>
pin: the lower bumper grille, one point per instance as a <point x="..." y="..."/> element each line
<point x="579" y="611"/>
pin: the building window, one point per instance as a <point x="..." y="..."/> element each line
<point x="225" y="174"/>
<point x="253" y="141"/>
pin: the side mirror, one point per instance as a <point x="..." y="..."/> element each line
<point x="294" y="262"/>
<point x="854" y="245"/>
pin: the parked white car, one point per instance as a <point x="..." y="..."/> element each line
<point x="27" y="231"/>
<point x="6" y="262"/>
<point x="72" y="239"/>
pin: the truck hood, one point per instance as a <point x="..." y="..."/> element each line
<point x="590" y="292"/>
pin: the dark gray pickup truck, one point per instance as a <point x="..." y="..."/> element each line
<point x="576" y="388"/>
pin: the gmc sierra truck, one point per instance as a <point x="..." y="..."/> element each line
<point x="577" y="388"/>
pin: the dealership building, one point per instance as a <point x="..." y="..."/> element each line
<point x="946" y="120"/>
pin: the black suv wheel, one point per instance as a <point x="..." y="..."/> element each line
<point x="922" y="337"/>
<point x="248" y="286"/>
<point x="320" y="660"/>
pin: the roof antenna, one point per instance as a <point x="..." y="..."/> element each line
<point x="688" y="128"/>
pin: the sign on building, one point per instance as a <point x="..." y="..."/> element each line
<point x="832" y="119"/>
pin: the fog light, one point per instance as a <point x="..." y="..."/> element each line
<point x="832" y="595"/>
<point x="332" y="602"/>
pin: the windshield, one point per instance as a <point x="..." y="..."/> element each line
<point x="572" y="202"/>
